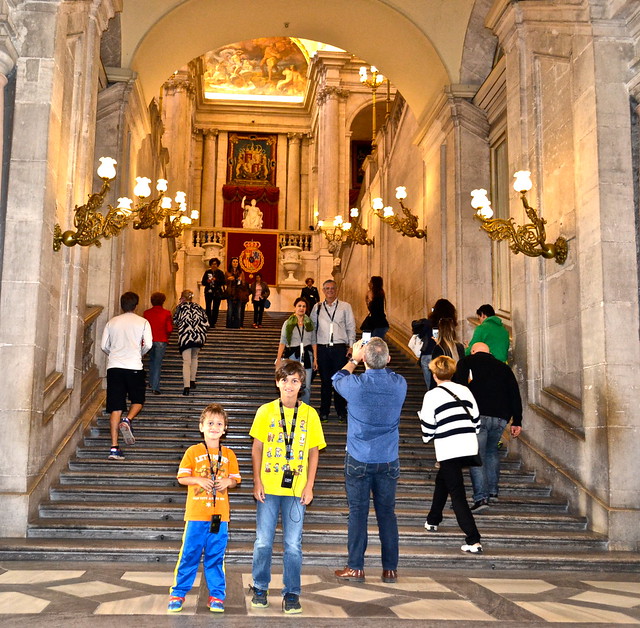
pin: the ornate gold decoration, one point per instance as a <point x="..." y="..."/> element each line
<point x="407" y="226"/>
<point x="528" y="238"/>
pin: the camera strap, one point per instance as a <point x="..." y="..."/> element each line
<point x="288" y="436"/>
<point x="214" y="474"/>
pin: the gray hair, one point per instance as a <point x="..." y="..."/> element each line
<point x="376" y="353"/>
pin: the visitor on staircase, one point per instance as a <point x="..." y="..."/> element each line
<point x="449" y="417"/>
<point x="496" y="391"/>
<point x="336" y="333"/>
<point x="191" y="322"/>
<point x="372" y="463"/>
<point x="161" y="327"/>
<point x="215" y="286"/>
<point x="209" y="470"/>
<point x="237" y="295"/>
<point x="298" y="342"/>
<point x="287" y="436"/>
<point x="125" y="339"/>
<point x="259" y="297"/>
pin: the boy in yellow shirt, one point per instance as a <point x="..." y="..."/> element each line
<point x="208" y="469"/>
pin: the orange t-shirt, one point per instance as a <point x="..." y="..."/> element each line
<point x="195" y="463"/>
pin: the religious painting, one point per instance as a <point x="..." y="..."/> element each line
<point x="269" y="69"/>
<point x="252" y="159"/>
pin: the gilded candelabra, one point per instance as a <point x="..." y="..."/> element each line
<point x="176" y="220"/>
<point x="373" y="83"/>
<point x="151" y="213"/>
<point x="357" y="233"/>
<point x="530" y="238"/>
<point x="90" y="225"/>
<point x="407" y="226"/>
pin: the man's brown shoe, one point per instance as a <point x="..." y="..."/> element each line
<point x="356" y="575"/>
<point x="389" y="575"/>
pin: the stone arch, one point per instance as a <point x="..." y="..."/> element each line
<point x="479" y="46"/>
<point x="388" y="39"/>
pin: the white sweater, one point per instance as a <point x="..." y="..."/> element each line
<point x="444" y="420"/>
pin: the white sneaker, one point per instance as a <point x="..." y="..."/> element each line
<point x="472" y="549"/>
<point x="125" y="431"/>
<point x="430" y="527"/>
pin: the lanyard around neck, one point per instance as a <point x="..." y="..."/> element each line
<point x="288" y="436"/>
<point x="214" y="473"/>
<point x="331" y="317"/>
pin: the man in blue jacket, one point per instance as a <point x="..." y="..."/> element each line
<point x="374" y="402"/>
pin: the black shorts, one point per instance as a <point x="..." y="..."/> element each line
<point x="122" y="383"/>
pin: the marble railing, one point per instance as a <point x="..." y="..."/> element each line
<point x="199" y="236"/>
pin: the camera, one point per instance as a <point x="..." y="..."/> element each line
<point x="366" y="336"/>
<point x="287" y="478"/>
<point x="435" y="334"/>
<point x="215" y="524"/>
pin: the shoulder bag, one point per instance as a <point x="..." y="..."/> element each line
<point x="465" y="461"/>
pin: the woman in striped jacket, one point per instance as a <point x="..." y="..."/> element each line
<point x="449" y="417"/>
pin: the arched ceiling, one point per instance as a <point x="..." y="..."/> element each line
<point x="416" y="43"/>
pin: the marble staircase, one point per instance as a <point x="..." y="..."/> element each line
<point x="132" y="510"/>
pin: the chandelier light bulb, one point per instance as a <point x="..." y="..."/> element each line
<point x="374" y="70"/>
<point x="185" y="220"/>
<point x="195" y="214"/>
<point x="162" y="185"/>
<point x="165" y="203"/>
<point x="401" y="193"/>
<point x="337" y="221"/>
<point x="142" y="189"/>
<point x="180" y="197"/>
<point x="107" y="170"/>
<point x="377" y="204"/>
<point x="354" y="213"/>
<point x="320" y="224"/>
<point x="124" y="203"/>
<point x="346" y="226"/>
<point x="522" y="181"/>
<point x="485" y="212"/>
<point x="388" y="212"/>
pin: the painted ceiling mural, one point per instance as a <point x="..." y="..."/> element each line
<point x="269" y="69"/>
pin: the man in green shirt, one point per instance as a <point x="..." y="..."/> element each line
<point x="492" y="332"/>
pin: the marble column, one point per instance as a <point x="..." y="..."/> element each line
<point x="209" y="177"/>
<point x="293" y="182"/>
<point x="329" y="150"/>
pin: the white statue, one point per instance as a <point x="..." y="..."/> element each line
<point x="252" y="216"/>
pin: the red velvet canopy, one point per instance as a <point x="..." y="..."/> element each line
<point x="266" y="199"/>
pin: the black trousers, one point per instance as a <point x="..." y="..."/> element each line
<point x="449" y="481"/>
<point x="330" y="361"/>
<point x="212" y="306"/>
<point x="258" y="311"/>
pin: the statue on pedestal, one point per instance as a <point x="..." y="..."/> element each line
<point x="252" y="216"/>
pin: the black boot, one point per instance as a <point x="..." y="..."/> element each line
<point x="185" y="392"/>
<point x="193" y="385"/>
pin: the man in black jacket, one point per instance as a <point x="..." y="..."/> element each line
<point x="496" y="391"/>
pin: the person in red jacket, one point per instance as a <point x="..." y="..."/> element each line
<point x="161" y="327"/>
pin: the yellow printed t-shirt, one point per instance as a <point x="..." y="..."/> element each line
<point x="195" y="463"/>
<point x="308" y="434"/>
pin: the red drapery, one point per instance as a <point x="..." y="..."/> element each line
<point x="239" y="243"/>
<point x="266" y="197"/>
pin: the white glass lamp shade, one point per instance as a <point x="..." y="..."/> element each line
<point x="165" y="203"/>
<point x="180" y="197"/>
<point x="195" y="214"/>
<point x="388" y="212"/>
<point x="162" y="185"/>
<point x="124" y="205"/>
<point x="377" y="204"/>
<point x="401" y="193"/>
<point x="107" y="168"/>
<point x="346" y="226"/>
<point x="522" y="181"/>
<point x="337" y="221"/>
<point x="142" y="189"/>
<point x="353" y="212"/>
<point x="185" y="220"/>
<point x="363" y="74"/>
<point x="486" y="213"/>
<point x="320" y="224"/>
<point x="479" y="198"/>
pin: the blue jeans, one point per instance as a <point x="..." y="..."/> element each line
<point x="485" y="478"/>
<point x="306" y="391"/>
<point x="156" y="355"/>
<point x="361" y="480"/>
<point x="424" y="364"/>
<point x="292" y="512"/>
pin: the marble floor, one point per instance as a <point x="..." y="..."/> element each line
<point x="111" y="594"/>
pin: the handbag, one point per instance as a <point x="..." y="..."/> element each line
<point x="267" y="304"/>
<point x="465" y="461"/>
<point x="415" y="344"/>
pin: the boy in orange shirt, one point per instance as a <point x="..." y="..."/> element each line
<point x="209" y="470"/>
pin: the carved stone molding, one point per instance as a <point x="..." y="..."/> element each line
<point x="327" y="93"/>
<point x="180" y="84"/>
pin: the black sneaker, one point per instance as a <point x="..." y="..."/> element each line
<point x="291" y="604"/>
<point x="324" y="418"/>
<point x="259" y="599"/>
<point x="479" y="506"/>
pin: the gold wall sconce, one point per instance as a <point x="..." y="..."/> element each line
<point x="529" y="238"/>
<point x="151" y="213"/>
<point x="334" y="233"/>
<point x="90" y="225"/>
<point x="176" y="219"/>
<point x="407" y="226"/>
<point x="357" y="233"/>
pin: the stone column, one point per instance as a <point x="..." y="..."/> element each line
<point x="329" y="144"/>
<point x="306" y="217"/>
<point x="209" y="177"/>
<point x="293" y="182"/>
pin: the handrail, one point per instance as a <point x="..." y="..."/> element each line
<point x="199" y="236"/>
